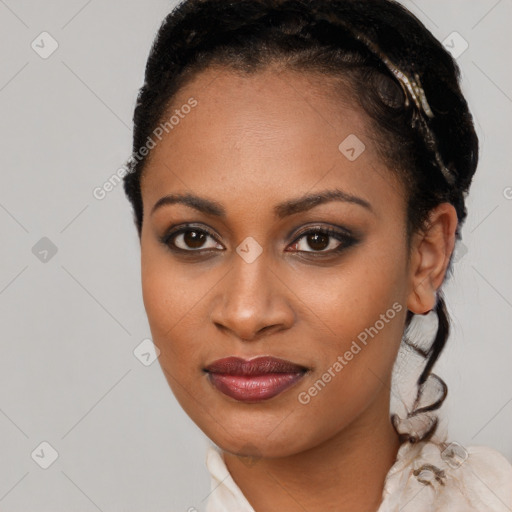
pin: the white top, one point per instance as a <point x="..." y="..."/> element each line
<point x="453" y="478"/>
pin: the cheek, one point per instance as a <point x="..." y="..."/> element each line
<point x="361" y="307"/>
<point x="351" y="297"/>
<point x="167" y="295"/>
<point x="175" y="298"/>
<point x="166" y="300"/>
<point x="158" y="295"/>
<point x="170" y="308"/>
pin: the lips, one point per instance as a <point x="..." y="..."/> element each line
<point x="254" y="380"/>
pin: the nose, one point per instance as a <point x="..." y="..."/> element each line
<point x="252" y="301"/>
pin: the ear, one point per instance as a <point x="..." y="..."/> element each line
<point x="431" y="249"/>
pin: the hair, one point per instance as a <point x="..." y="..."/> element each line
<point x="382" y="55"/>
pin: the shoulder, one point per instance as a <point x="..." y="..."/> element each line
<point x="439" y="476"/>
<point x="488" y="472"/>
<point x="470" y="478"/>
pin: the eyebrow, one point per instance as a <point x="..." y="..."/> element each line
<point x="282" y="210"/>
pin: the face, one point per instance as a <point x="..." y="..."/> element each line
<point x="251" y="268"/>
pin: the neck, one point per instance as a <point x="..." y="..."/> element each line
<point x="345" y="473"/>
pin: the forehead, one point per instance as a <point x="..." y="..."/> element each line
<point x="270" y="133"/>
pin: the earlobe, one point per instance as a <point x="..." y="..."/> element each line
<point x="422" y="297"/>
<point x="431" y="250"/>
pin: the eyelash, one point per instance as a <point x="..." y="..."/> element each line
<point x="345" y="238"/>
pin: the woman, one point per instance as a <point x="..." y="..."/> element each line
<point x="298" y="182"/>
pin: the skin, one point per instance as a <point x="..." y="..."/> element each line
<point x="253" y="142"/>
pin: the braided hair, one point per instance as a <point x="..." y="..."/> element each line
<point x="393" y="67"/>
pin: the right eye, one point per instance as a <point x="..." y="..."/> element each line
<point x="189" y="239"/>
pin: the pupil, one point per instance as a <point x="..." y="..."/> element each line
<point x="194" y="239"/>
<point x="318" y="241"/>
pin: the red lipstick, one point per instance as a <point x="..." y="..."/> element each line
<point x="254" y="380"/>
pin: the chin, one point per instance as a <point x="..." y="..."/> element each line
<point x="258" y="437"/>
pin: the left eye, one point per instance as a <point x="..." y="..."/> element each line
<point x="321" y="240"/>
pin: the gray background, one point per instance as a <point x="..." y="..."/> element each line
<point x="71" y="322"/>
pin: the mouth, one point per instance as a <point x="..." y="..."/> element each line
<point x="254" y="380"/>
